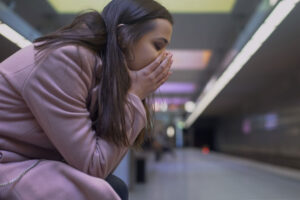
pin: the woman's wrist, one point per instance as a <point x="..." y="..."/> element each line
<point x="136" y="94"/>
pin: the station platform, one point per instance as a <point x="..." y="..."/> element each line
<point x="192" y="175"/>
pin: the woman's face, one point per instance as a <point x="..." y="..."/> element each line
<point x="151" y="44"/>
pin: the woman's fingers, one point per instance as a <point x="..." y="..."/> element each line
<point x="162" y="66"/>
<point x="163" y="80"/>
<point x="148" y="79"/>
<point x="165" y="71"/>
<point x="155" y="64"/>
<point x="163" y="77"/>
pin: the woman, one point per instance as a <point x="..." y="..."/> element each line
<point x="73" y="103"/>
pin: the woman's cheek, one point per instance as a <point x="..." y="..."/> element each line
<point x="145" y="58"/>
<point x="151" y="56"/>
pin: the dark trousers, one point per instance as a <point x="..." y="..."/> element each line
<point x="118" y="185"/>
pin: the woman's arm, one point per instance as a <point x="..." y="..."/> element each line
<point x="56" y="92"/>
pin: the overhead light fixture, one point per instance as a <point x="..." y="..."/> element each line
<point x="175" y="6"/>
<point x="279" y="13"/>
<point x="172" y="100"/>
<point x="189" y="106"/>
<point x="170" y="131"/>
<point x="13" y="36"/>
<point x="176" y="87"/>
<point x="160" y="106"/>
<point x="190" y="59"/>
<point x="273" y="2"/>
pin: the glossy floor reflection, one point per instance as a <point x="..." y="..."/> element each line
<point x="195" y="176"/>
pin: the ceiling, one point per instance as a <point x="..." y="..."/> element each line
<point x="270" y="79"/>
<point x="214" y="31"/>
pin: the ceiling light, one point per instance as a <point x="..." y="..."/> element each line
<point x="13" y="36"/>
<point x="279" y="13"/>
<point x="171" y="100"/>
<point x="273" y="2"/>
<point x="160" y="107"/>
<point x="190" y="59"/>
<point x="170" y="131"/>
<point x="176" y="87"/>
<point x="189" y="106"/>
<point x="175" y="6"/>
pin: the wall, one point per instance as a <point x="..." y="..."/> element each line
<point x="272" y="136"/>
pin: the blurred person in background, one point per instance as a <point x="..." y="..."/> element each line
<point x="162" y="144"/>
<point x="74" y="101"/>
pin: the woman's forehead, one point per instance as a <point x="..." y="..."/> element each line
<point x="162" y="29"/>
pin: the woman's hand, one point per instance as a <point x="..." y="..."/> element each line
<point x="148" y="79"/>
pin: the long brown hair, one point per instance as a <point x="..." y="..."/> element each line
<point x="102" y="34"/>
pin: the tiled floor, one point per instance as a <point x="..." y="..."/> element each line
<point x="195" y="176"/>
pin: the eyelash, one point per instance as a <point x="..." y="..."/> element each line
<point x="157" y="46"/>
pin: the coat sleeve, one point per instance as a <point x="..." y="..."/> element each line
<point x="56" y="93"/>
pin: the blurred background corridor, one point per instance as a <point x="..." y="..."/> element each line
<point x="228" y="119"/>
<point x="192" y="174"/>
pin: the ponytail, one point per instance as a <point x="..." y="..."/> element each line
<point x="115" y="84"/>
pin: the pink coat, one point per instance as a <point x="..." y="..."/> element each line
<point x="48" y="149"/>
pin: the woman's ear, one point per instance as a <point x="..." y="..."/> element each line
<point x="123" y="40"/>
<point x="120" y="36"/>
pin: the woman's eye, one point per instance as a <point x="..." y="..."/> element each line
<point x="158" y="46"/>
